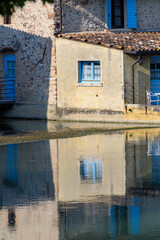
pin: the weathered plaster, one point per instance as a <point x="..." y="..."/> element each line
<point x="108" y="97"/>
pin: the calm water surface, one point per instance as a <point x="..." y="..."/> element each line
<point x="104" y="186"/>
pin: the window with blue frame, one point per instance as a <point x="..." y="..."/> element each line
<point x="121" y="13"/>
<point x="90" y="72"/>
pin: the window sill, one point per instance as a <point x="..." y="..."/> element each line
<point x="120" y="29"/>
<point x="89" y="84"/>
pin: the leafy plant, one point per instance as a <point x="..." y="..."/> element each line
<point x="8" y="6"/>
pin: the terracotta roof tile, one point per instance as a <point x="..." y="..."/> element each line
<point x="130" y="41"/>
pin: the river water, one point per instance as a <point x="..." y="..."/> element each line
<point x="104" y="186"/>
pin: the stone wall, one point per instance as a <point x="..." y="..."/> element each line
<point x="148" y="17"/>
<point x="31" y="36"/>
<point x="34" y="18"/>
<point x="89" y="15"/>
<point x="83" y="15"/>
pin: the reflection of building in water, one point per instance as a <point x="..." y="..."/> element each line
<point x="98" y="221"/>
<point x="135" y="219"/>
<point x="26" y="171"/>
<point x="143" y="161"/>
<point x="28" y="191"/>
<point x="80" y="188"/>
<point x="89" y="167"/>
<point x="111" y="164"/>
<point x="117" y="216"/>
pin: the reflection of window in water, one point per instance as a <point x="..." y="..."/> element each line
<point x="11" y="217"/>
<point x="91" y="170"/>
<point x="154" y="152"/>
<point x="118" y="221"/>
<point x="154" y="147"/>
<point x="12" y="174"/>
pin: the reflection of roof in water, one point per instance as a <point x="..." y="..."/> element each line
<point x="145" y="192"/>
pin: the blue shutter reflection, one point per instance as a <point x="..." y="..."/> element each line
<point x="134" y="220"/>
<point x="12" y="173"/>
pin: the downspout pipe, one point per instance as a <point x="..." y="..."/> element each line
<point x="140" y="61"/>
<point x="60" y="9"/>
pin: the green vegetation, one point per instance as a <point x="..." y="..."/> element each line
<point x="33" y="136"/>
<point x="8" y="6"/>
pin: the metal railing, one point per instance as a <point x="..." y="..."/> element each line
<point x="146" y="95"/>
<point x="135" y="94"/>
<point x="7" y="89"/>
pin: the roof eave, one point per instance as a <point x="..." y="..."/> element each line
<point x="140" y="53"/>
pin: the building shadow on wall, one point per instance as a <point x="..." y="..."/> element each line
<point x="83" y="12"/>
<point x="32" y="71"/>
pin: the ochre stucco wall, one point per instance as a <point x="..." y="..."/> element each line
<point x="108" y="97"/>
<point x="142" y="78"/>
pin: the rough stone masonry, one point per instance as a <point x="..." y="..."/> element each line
<point x="30" y="36"/>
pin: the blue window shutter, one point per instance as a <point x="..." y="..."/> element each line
<point x="108" y="13"/>
<point x="131" y="14"/>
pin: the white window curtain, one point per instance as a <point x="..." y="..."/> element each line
<point x="97" y="72"/>
<point x="87" y="71"/>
